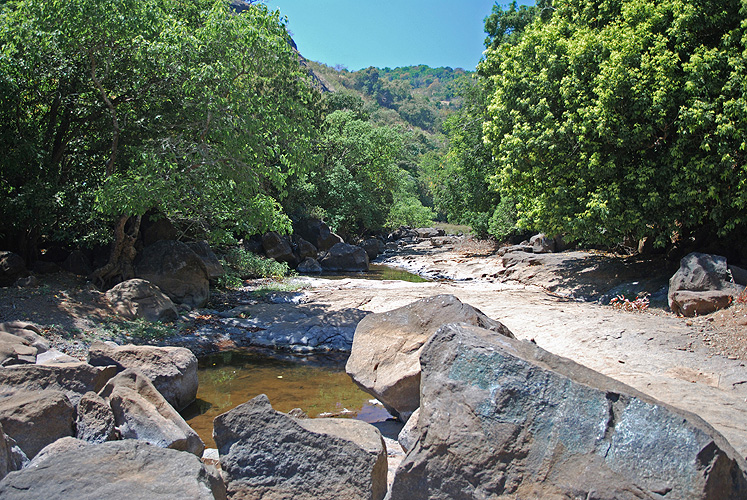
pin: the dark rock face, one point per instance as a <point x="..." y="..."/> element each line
<point x="95" y="422"/>
<point x="278" y="247"/>
<point x="306" y="249"/>
<point x="36" y="419"/>
<point x="12" y="267"/>
<point x="173" y="370"/>
<point x="174" y="268"/>
<point x="138" y="298"/>
<point x="269" y="455"/>
<point x="309" y="266"/>
<point x="344" y="257"/>
<point x="504" y="417"/>
<point x="140" y="412"/>
<point x="385" y="357"/>
<point x="699" y="273"/>
<point x="318" y="233"/>
<point x="119" y="469"/>
<point x="204" y="252"/>
<point x="372" y="246"/>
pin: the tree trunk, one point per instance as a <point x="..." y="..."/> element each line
<point x="120" y="266"/>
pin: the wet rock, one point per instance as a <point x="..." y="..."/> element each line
<point x="344" y="257"/>
<point x="12" y="267"/>
<point x="317" y="233"/>
<point x="278" y="247"/>
<point x="385" y="358"/>
<point x="700" y="273"/>
<point x="502" y="418"/>
<point x="176" y="270"/>
<point x="212" y="264"/>
<point x="74" y="379"/>
<point x="401" y="233"/>
<point x="140" y="412"/>
<point x="36" y="419"/>
<point x="11" y="456"/>
<point x="541" y="243"/>
<point x="138" y="298"/>
<point x="120" y="469"/>
<point x="172" y="370"/>
<point x="267" y="454"/>
<point x="309" y="266"/>
<point x="95" y="422"/>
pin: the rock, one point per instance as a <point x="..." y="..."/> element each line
<point x="701" y="272"/>
<point x="691" y="304"/>
<point x="172" y="370"/>
<point x="309" y="266"/>
<point x="278" y="247"/>
<point x="36" y="419"/>
<point x="45" y="267"/>
<point x="78" y="263"/>
<point x="739" y="275"/>
<point x="267" y="454"/>
<point x="95" y="423"/>
<point x="119" y="469"/>
<point x="372" y="247"/>
<point x="318" y="233"/>
<point x="15" y="350"/>
<point x="140" y="412"/>
<point x="27" y="331"/>
<point x="515" y="248"/>
<point x="11" y="456"/>
<point x="62" y="445"/>
<point x="344" y="257"/>
<point x="561" y="245"/>
<point x="212" y="264"/>
<point x="502" y="418"/>
<point x="27" y="282"/>
<point x="429" y="232"/>
<point x="385" y="358"/>
<point x="174" y="268"/>
<point x="54" y="357"/>
<point x="306" y="249"/>
<point x="12" y="267"/>
<point x="74" y="379"/>
<point x="542" y="244"/>
<point x="152" y="231"/>
<point x="410" y="433"/>
<point x="138" y="298"/>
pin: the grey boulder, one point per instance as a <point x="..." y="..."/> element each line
<point x="95" y="422"/>
<point x="541" y="243"/>
<point x="138" y="298"/>
<point x="700" y="275"/>
<point x="269" y="455"/>
<point x="344" y="257"/>
<point x="205" y="253"/>
<point x="317" y="233"/>
<point x="278" y="247"/>
<point x="502" y="418"/>
<point x="173" y="370"/>
<point x="309" y="266"/>
<point x="119" y="469"/>
<point x="175" y="269"/>
<point x="385" y="357"/>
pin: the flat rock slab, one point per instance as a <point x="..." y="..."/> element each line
<point x="119" y="469"/>
<point x="503" y="417"/>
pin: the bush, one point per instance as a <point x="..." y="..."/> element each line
<point x="240" y="264"/>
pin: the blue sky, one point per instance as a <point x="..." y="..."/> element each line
<point x="393" y="33"/>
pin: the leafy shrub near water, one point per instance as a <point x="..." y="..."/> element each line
<point x="240" y="264"/>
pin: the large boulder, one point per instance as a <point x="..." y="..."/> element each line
<point x="12" y="267"/>
<point x="267" y="454"/>
<point x="278" y="247"/>
<point x="74" y="379"/>
<point x="541" y="243"/>
<point x="95" y="423"/>
<point x="373" y="247"/>
<point x="119" y="469"/>
<point x="305" y="249"/>
<point x="385" y="358"/>
<point x="429" y="232"/>
<point x="344" y="257"/>
<point x="212" y="264"/>
<point x="701" y="274"/>
<point x="140" y="412"/>
<point x="173" y="370"/>
<point x="502" y="418"/>
<point x="15" y="350"/>
<point x="309" y="266"/>
<point x="138" y="298"/>
<point x="36" y="419"/>
<point x="317" y="233"/>
<point x="26" y="331"/>
<point x="174" y="268"/>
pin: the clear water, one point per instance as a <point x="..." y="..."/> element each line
<point x="380" y="272"/>
<point x="316" y="384"/>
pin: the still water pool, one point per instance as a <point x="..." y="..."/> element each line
<point x="316" y="384"/>
<point x="380" y="272"/>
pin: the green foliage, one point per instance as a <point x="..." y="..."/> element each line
<point x="117" y="108"/>
<point x="240" y="264"/>
<point x="623" y="118"/>
<point x="139" y="330"/>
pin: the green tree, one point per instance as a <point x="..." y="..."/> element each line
<point x="117" y="108"/>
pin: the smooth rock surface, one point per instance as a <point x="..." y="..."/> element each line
<point x="345" y="257"/>
<point x="266" y="454"/>
<point x="173" y="370"/>
<point x="36" y="419"/>
<point x="140" y="412"/>
<point x="502" y="418"/>
<point x="127" y="469"/>
<point x="15" y="350"/>
<point x="174" y="268"/>
<point x="138" y="298"/>
<point x="385" y="358"/>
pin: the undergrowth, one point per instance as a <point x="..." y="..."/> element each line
<point x="240" y="264"/>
